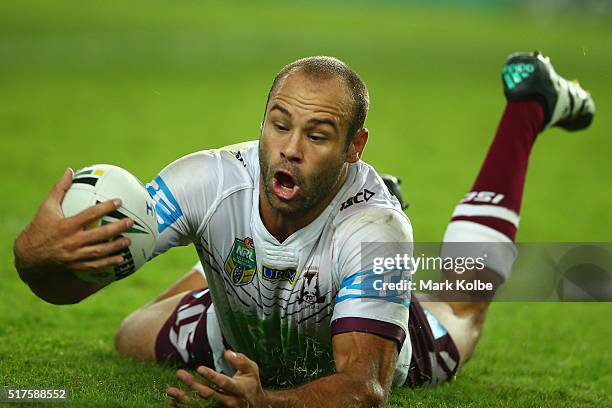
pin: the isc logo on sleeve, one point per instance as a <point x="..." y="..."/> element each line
<point x="360" y="197"/>
<point x="166" y="206"/>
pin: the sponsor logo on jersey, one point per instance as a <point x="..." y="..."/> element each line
<point x="310" y="289"/>
<point x="241" y="263"/>
<point x="166" y="206"/>
<point x="360" y="197"/>
<point x="279" y="274"/>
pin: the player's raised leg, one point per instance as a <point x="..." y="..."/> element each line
<point x="488" y="216"/>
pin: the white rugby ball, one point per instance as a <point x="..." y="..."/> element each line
<point x="102" y="182"/>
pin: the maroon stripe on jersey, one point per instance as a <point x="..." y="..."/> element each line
<point x="360" y="324"/>
<point x="503" y="226"/>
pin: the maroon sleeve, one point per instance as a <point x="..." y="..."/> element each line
<point x="361" y="324"/>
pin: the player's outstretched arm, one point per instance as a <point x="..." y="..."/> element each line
<point x="52" y="246"/>
<point x="364" y="372"/>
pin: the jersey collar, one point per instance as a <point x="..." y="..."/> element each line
<point x="285" y="254"/>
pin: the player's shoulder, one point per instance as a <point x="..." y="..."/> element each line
<point x="244" y="154"/>
<point x="240" y="158"/>
<point x="226" y="165"/>
<point x="240" y="162"/>
<point x="367" y="210"/>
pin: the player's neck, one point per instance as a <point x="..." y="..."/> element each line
<point x="282" y="226"/>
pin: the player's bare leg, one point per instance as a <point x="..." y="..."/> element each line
<point x="537" y="99"/>
<point x="138" y="332"/>
<point x="194" y="279"/>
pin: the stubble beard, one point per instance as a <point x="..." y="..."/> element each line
<point x="312" y="191"/>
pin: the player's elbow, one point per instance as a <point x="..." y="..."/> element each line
<point x="55" y="298"/>
<point x="53" y="293"/>
<point x="61" y="301"/>
<point x="58" y="287"/>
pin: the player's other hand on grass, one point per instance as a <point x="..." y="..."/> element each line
<point x="54" y="242"/>
<point x="242" y="390"/>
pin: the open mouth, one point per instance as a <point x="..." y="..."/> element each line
<point x="284" y="185"/>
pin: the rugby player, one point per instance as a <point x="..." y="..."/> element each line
<point x="279" y="299"/>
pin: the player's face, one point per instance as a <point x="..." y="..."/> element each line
<point x="303" y="143"/>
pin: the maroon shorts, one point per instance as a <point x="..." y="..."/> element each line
<point x="435" y="357"/>
<point x="184" y="341"/>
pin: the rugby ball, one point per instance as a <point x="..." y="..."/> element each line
<point x="102" y="182"/>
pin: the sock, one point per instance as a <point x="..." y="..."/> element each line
<point x="489" y="213"/>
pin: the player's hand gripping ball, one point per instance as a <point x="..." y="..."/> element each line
<point x="102" y="182"/>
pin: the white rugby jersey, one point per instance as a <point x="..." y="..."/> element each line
<point x="280" y="303"/>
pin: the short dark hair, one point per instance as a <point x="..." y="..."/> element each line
<point x="322" y="67"/>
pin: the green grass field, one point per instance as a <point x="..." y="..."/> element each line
<point x="138" y="84"/>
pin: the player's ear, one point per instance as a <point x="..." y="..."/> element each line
<point x="357" y="145"/>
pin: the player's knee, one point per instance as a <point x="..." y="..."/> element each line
<point x="132" y="341"/>
<point x="137" y="335"/>
<point x="122" y="343"/>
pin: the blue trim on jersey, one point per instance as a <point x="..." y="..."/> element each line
<point x="199" y="294"/>
<point x="365" y="288"/>
<point x="436" y="327"/>
<point x="168" y="209"/>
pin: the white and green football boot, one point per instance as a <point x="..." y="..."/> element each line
<point x="531" y="76"/>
